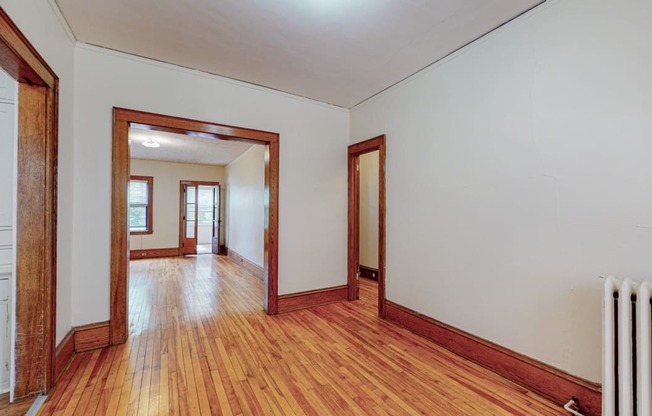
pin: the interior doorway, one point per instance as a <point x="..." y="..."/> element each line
<point x="123" y="120"/>
<point x="199" y="219"/>
<point x="355" y="268"/>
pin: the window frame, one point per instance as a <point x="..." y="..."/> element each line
<point x="149" y="207"/>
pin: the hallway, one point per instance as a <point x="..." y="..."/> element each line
<point x="200" y="344"/>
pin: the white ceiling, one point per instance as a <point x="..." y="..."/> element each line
<point x="335" y="51"/>
<point x="182" y="148"/>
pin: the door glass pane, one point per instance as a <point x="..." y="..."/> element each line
<point x="190" y="194"/>
<point x="190" y="212"/>
<point x="190" y="229"/>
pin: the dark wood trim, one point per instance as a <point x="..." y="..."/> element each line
<point x="20" y="59"/>
<point x="36" y="226"/>
<point x="119" y="232"/>
<point x="80" y="339"/>
<point x="353" y="261"/>
<point x="122" y="119"/>
<point x="541" y="378"/>
<point x="153" y="253"/>
<point x="50" y="231"/>
<point x="190" y="127"/>
<point x="368" y="272"/>
<point x="198" y="183"/>
<point x="92" y="336"/>
<point x="270" y="268"/>
<point x="30" y="269"/>
<point x="35" y="245"/>
<point x="150" y="203"/>
<point x="224" y="250"/>
<point x="248" y="265"/>
<point x="65" y="352"/>
<point x="353" y="258"/>
<point x="311" y="298"/>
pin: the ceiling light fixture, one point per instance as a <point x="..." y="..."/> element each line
<point x="151" y="143"/>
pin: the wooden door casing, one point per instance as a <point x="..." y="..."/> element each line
<point x="354" y="153"/>
<point x="36" y="225"/>
<point x="123" y="119"/>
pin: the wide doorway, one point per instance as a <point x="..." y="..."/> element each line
<point x="124" y="120"/>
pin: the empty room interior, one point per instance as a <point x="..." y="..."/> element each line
<point x="325" y="207"/>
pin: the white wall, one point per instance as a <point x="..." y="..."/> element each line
<point x="167" y="177"/>
<point x="313" y="139"/>
<point x="518" y="171"/>
<point x="369" y="171"/>
<point x="246" y="205"/>
<point x="40" y="22"/>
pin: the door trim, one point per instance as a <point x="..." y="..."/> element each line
<point x="355" y="151"/>
<point x="36" y="227"/>
<point x="122" y="120"/>
<point x="183" y="183"/>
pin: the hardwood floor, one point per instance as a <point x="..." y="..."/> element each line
<point x="200" y="344"/>
<point x="14" y="409"/>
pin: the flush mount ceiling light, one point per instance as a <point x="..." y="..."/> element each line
<point x="151" y="143"/>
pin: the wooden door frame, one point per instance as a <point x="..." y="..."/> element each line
<point x="122" y="120"/>
<point x="355" y="151"/>
<point x="36" y="226"/>
<point x="183" y="183"/>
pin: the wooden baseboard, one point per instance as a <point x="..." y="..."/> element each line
<point x="302" y="300"/>
<point x="541" y="378"/>
<point x="251" y="267"/>
<point x="64" y="354"/>
<point x="153" y="253"/>
<point x="79" y="339"/>
<point x="92" y="337"/>
<point x="368" y="272"/>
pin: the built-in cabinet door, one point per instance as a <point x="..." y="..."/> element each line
<point x="7" y="179"/>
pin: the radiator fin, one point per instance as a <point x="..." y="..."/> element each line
<point x="627" y="348"/>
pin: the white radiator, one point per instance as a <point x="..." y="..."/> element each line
<point x="627" y="366"/>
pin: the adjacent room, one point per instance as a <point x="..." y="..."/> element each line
<point x="325" y="207"/>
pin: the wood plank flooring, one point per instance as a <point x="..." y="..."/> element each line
<point x="200" y="344"/>
<point x="14" y="409"/>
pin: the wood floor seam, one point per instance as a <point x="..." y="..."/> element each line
<point x="200" y="344"/>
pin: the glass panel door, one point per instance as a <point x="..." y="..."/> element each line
<point x="190" y="219"/>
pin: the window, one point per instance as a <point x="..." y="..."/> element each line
<point x="140" y="204"/>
